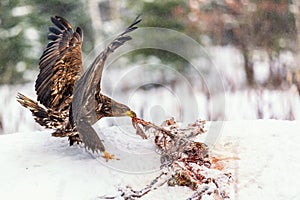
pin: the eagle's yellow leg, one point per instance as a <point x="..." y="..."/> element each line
<point x="109" y="156"/>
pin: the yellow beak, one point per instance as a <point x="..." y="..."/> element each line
<point x="130" y="113"/>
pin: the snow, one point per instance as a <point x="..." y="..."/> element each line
<point x="269" y="158"/>
<point x="263" y="156"/>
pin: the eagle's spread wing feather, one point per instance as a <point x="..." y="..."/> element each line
<point x="119" y="41"/>
<point x="90" y="137"/>
<point x="60" y="65"/>
<point x="88" y="86"/>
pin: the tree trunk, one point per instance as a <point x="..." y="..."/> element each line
<point x="296" y="12"/>
<point x="96" y="21"/>
<point x="248" y="67"/>
<point x="296" y="4"/>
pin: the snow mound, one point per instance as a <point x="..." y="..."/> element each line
<point x="263" y="156"/>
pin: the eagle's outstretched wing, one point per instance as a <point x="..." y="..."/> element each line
<point x="60" y="65"/>
<point x="84" y="102"/>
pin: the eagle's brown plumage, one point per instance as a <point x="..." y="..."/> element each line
<point x="60" y="66"/>
<point x="68" y="100"/>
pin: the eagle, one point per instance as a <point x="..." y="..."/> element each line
<point x="69" y="100"/>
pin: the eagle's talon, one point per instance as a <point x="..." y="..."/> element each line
<point x="109" y="156"/>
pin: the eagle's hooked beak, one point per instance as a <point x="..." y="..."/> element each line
<point x="130" y="113"/>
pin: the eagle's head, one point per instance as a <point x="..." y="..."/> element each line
<point x="119" y="110"/>
<point x="111" y="108"/>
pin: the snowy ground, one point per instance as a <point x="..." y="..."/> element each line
<point x="263" y="156"/>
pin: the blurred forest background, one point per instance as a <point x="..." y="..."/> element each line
<point x="255" y="45"/>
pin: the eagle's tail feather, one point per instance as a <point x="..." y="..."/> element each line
<point x="41" y="114"/>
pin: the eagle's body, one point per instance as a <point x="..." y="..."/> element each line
<point x="68" y="100"/>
